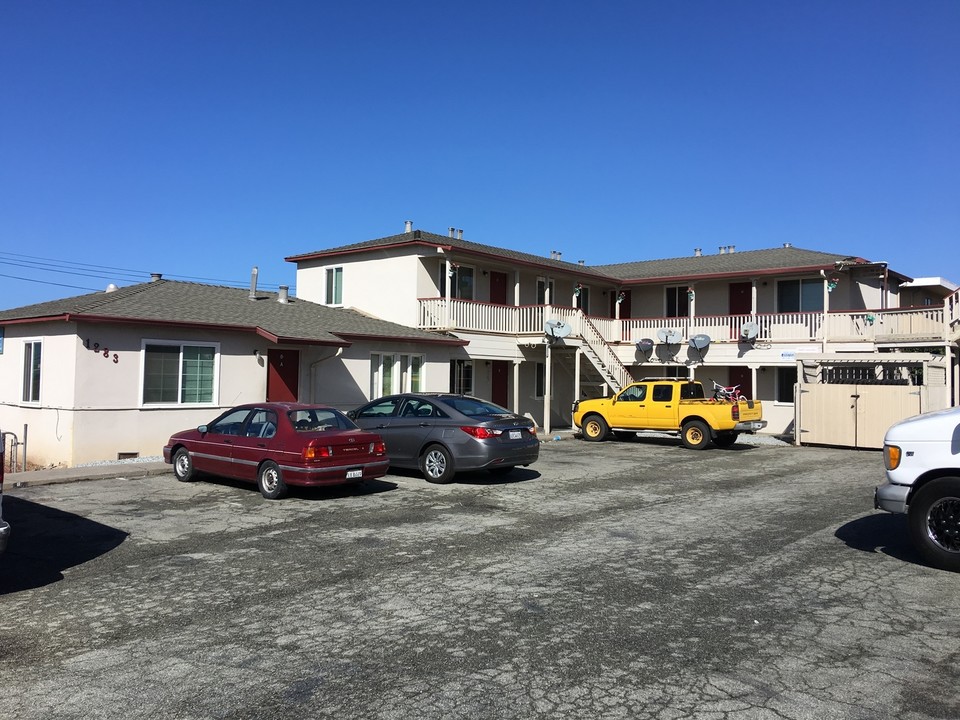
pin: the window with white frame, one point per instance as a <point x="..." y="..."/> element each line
<point x="800" y="295"/>
<point x="461" y="377"/>
<point x="461" y="281"/>
<point x="677" y="302"/>
<point x="545" y="291"/>
<point x="31" y="370"/>
<point x="392" y="373"/>
<point x="179" y="373"/>
<point x="334" y="286"/>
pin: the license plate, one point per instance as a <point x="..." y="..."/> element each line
<point x="514" y="434"/>
<point x="354" y="474"/>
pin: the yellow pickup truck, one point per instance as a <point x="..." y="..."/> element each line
<point x="669" y="405"/>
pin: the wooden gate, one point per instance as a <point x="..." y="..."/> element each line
<point x="853" y="415"/>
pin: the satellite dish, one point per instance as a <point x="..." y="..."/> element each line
<point x="645" y="345"/>
<point x="749" y="331"/>
<point x="700" y="342"/>
<point x="556" y="329"/>
<point x="669" y="336"/>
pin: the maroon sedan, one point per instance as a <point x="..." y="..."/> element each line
<point x="277" y="445"/>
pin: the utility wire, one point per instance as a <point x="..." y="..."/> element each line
<point x="81" y="269"/>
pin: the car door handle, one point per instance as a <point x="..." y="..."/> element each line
<point x="381" y="426"/>
<point x="424" y="424"/>
<point x="261" y="444"/>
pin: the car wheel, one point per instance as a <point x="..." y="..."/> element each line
<point x="183" y="466"/>
<point x="436" y="464"/>
<point x="503" y="470"/>
<point x="270" y="481"/>
<point x="695" y="435"/>
<point x="934" y="521"/>
<point x="595" y="428"/>
<point x="726" y="439"/>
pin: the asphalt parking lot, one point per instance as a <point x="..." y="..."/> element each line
<point x="613" y="580"/>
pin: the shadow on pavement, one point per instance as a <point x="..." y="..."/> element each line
<point x="475" y="477"/>
<point x="45" y="541"/>
<point x="881" y="533"/>
<point x="320" y="492"/>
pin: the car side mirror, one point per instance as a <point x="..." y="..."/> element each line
<point x="202" y="429"/>
<point x="352" y="414"/>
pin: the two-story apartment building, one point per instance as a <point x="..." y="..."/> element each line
<point x="542" y="332"/>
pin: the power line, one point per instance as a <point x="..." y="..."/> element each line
<point x="82" y="269"/>
<point x="47" y="282"/>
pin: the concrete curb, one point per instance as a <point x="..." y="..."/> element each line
<point x="56" y="476"/>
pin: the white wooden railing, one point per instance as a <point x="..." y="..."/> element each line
<point x="927" y="323"/>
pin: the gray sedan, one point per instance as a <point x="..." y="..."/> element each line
<point x="442" y="434"/>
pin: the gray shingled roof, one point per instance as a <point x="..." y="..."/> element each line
<point x="167" y="301"/>
<point x="433" y="240"/>
<point x="747" y="261"/>
<point x="744" y="262"/>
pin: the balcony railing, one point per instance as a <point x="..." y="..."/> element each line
<point x="934" y="323"/>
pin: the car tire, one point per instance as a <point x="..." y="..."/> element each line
<point x="934" y="522"/>
<point x="695" y="435"/>
<point x="595" y="428"/>
<point x="726" y="439"/>
<point x="436" y="464"/>
<point x="183" y="466"/>
<point x="270" y="481"/>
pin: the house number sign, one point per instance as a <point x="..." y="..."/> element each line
<point x="105" y="351"/>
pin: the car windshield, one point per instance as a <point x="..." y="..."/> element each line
<point x="472" y="406"/>
<point x="319" y="419"/>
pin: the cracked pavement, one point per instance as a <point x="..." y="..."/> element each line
<point x="612" y="580"/>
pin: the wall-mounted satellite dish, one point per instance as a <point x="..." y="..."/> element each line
<point x="700" y="343"/>
<point x="749" y="332"/>
<point x="556" y="329"/>
<point x="669" y="336"/>
<point x="645" y="345"/>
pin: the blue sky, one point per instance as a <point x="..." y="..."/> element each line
<point x="201" y="138"/>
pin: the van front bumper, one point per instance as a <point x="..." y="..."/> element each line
<point x="890" y="497"/>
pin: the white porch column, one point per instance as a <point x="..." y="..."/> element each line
<point x="449" y="271"/>
<point x="516" y="386"/>
<point x="753" y="296"/>
<point x="547" y="398"/>
<point x="576" y="374"/>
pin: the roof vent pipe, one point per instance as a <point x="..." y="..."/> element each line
<point x="581" y="262"/>
<point x="722" y="249"/>
<point x="156" y="276"/>
<point x="253" y="282"/>
<point x="697" y="252"/>
<point x="408" y="226"/>
<point x="787" y="245"/>
<point x="731" y="249"/>
<point x="284" y="295"/>
<point x="451" y="231"/>
<point x="460" y="234"/>
<point x="559" y="255"/>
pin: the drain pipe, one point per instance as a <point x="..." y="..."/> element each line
<point x="313" y="365"/>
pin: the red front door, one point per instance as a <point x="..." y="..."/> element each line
<point x="498" y="288"/>
<point x="499" y="382"/>
<point x="741" y="376"/>
<point x="741" y="298"/>
<point x="283" y="375"/>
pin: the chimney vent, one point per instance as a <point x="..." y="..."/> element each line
<point x="580" y="262"/>
<point x="787" y="245"/>
<point x="722" y="249"/>
<point x="408" y="226"/>
<point x="697" y="252"/>
<point x="253" y="282"/>
<point x="460" y="234"/>
<point x="731" y="249"/>
<point x="156" y="276"/>
<point x="559" y="255"/>
<point x="451" y="231"/>
<point x="284" y="295"/>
